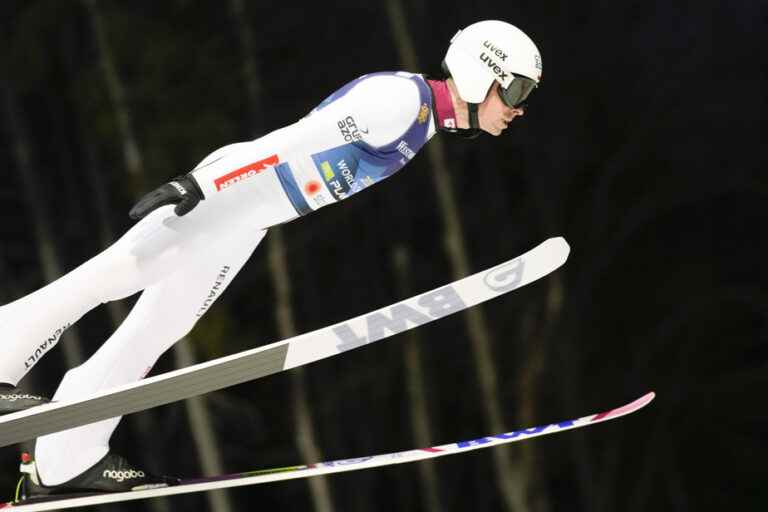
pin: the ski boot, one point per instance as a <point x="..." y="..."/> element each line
<point x="12" y="399"/>
<point x="113" y="473"/>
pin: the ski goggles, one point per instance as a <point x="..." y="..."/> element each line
<point x="517" y="92"/>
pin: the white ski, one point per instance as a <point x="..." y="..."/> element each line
<point x="291" y="353"/>
<point x="337" y="466"/>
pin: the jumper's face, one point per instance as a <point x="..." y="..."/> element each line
<point x="493" y="115"/>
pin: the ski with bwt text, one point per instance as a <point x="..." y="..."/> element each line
<point x="336" y="466"/>
<point x="290" y="353"/>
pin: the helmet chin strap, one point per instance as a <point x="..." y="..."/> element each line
<point x="474" y="130"/>
<point x="474" y="123"/>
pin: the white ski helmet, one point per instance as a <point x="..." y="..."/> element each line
<point x="493" y="50"/>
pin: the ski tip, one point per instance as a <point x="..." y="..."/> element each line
<point x="629" y="408"/>
<point x="640" y="402"/>
<point x="637" y="404"/>
<point x="559" y="247"/>
<point x="561" y="242"/>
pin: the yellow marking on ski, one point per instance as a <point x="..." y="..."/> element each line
<point x="18" y="489"/>
<point x="274" y="470"/>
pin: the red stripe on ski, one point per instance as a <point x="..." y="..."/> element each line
<point x="640" y="402"/>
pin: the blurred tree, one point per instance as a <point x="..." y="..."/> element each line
<point x="38" y="210"/>
<point x="142" y="424"/>
<point x="306" y="442"/>
<point x="512" y="479"/>
<point x="9" y="291"/>
<point x="123" y="118"/>
<point x="200" y="426"/>
<point x="421" y="422"/>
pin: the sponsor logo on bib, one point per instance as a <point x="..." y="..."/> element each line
<point x="245" y="172"/>
<point x="349" y="130"/>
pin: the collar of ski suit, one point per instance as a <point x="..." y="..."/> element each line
<point x="446" y="116"/>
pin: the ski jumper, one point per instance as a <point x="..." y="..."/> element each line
<point x="363" y="133"/>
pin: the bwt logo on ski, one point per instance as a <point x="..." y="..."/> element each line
<point x="45" y="347"/>
<point x="419" y="311"/>
<point x="506" y="277"/>
<point x="246" y="172"/>
<point x="120" y="476"/>
<point x="493" y="58"/>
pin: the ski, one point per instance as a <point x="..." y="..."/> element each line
<point x="290" y="353"/>
<point x="336" y="466"/>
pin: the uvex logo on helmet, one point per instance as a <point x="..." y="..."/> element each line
<point x="495" y="50"/>
<point x="492" y="57"/>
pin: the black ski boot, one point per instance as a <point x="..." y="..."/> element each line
<point x="12" y="399"/>
<point x="113" y="473"/>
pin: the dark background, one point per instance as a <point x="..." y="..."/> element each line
<point x="642" y="146"/>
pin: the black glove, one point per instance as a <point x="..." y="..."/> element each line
<point x="183" y="191"/>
